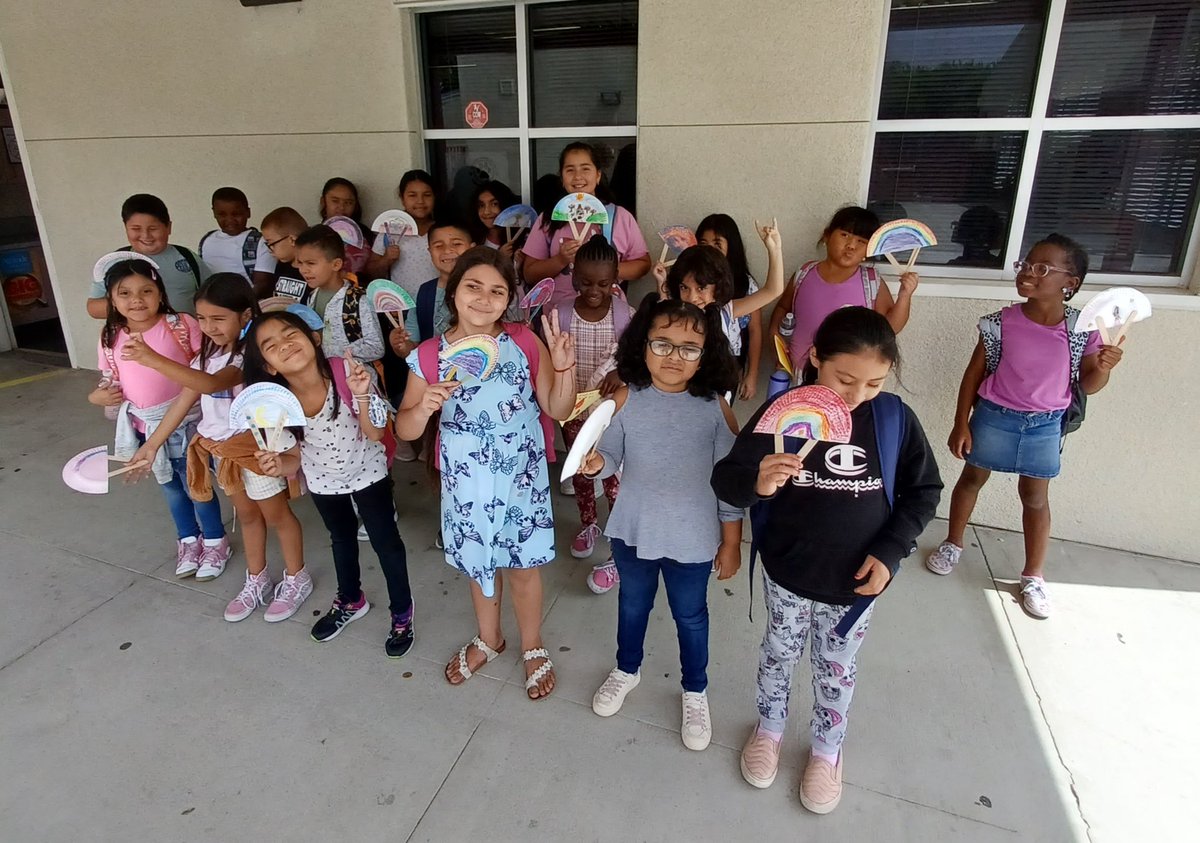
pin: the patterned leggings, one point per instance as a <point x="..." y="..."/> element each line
<point x="585" y="488"/>
<point x="792" y="620"/>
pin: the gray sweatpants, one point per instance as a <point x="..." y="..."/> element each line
<point x="790" y="621"/>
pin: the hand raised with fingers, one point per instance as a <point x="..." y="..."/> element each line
<point x="558" y="343"/>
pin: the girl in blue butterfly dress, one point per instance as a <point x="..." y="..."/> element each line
<point x="495" y="512"/>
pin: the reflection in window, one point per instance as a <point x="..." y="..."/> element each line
<point x="1128" y="196"/>
<point x="461" y="165"/>
<point x="470" y="56"/>
<point x="583" y="64"/>
<point x="955" y="59"/>
<point x="961" y="184"/>
<point x="1121" y="58"/>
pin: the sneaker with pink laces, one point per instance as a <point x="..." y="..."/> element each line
<point x="603" y="577"/>
<point x="585" y="542"/>
<point x="760" y="759"/>
<point x="187" y="558"/>
<point x="821" y="785"/>
<point x="213" y="559"/>
<point x="289" y="594"/>
<point x="253" y="594"/>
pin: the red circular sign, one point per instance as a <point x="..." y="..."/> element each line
<point x="476" y="114"/>
<point x="22" y="290"/>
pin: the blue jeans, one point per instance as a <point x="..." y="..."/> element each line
<point x="185" y="511"/>
<point x="687" y="595"/>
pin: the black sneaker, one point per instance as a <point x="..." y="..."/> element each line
<point x="400" y="639"/>
<point x="336" y="619"/>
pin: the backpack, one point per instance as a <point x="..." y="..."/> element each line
<point x="990" y="333"/>
<point x="427" y="360"/>
<point x="249" y="249"/>
<point x="179" y="328"/>
<point x="621" y="314"/>
<point x="426" y="303"/>
<point x="887" y="412"/>
<point x="347" y="398"/>
<point x="868" y="273"/>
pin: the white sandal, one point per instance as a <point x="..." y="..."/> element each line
<point x="545" y="667"/>
<point x="463" y="669"/>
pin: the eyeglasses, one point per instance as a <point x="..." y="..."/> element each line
<point x="271" y="244"/>
<point x="1038" y="270"/>
<point x="687" y="353"/>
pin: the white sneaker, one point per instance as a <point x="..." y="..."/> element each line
<point x="1034" y="597"/>
<point x="253" y="594"/>
<point x="610" y="696"/>
<point x="696" y="727"/>
<point x="567" y="487"/>
<point x="362" y="533"/>
<point x="943" y="560"/>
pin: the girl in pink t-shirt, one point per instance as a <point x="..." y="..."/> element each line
<point x="550" y="248"/>
<point x="139" y="316"/>
<point x="225" y="305"/>
<point x="840" y="280"/>
<point x="1013" y="399"/>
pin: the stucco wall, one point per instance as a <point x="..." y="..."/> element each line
<point x="180" y="98"/>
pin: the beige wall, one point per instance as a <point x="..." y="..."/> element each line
<point x="180" y="98"/>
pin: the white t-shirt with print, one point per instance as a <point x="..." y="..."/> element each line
<point x="414" y="266"/>
<point x="223" y="253"/>
<point x="214" y="408"/>
<point x="337" y="458"/>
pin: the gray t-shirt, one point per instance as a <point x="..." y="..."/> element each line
<point x="669" y="443"/>
<point x="178" y="278"/>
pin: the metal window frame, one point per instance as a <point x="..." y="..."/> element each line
<point x="523" y="132"/>
<point x="1035" y="127"/>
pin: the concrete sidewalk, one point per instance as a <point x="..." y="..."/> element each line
<point x="132" y="711"/>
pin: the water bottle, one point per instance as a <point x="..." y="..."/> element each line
<point x="788" y="326"/>
<point x="107" y="380"/>
<point x="779" y="383"/>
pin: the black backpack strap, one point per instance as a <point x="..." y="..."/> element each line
<point x="426" y="301"/>
<point x="193" y="263"/>
<point x="249" y="251"/>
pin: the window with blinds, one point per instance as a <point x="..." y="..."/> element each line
<point x="1000" y="121"/>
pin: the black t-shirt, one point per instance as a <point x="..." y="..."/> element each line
<point x="289" y="282"/>
<point x="822" y="525"/>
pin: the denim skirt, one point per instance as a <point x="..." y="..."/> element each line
<point x="1015" y="442"/>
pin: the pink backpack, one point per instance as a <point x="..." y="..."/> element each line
<point x="427" y="359"/>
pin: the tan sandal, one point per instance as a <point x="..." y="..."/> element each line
<point x="464" y="671"/>
<point x="531" y="682"/>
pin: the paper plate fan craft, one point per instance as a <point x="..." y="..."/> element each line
<point x="541" y="293"/>
<point x="588" y="437"/>
<point x="815" y="413"/>
<point x="106" y="261"/>
<point x="1117" y="307"/>
<point x="395" y="223"/>
<point x="310" y="316"/>
<point x="516" y="216"/>
<point x="347" y="229"/>
<point x="901" y="236"/>
<point x="580" y="209"/>
<point x="675" y="239"/>
<point x="784" y="355"/>
<point x="582" y="401"/>
<point x="390" y="298"/>
<point x="476" y="355"/>
<point x="88" y="472"/>
<point x="274" y="303"/>
<point x="268" y="406"/>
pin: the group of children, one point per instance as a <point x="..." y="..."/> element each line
<point x="184" y="333"/>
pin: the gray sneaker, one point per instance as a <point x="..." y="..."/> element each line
<point x="943" y="560"/>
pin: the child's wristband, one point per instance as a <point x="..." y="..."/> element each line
<point x="560" y="371"/>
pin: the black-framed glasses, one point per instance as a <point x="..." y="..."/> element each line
<point x="1038" y="270"/>
<point x="271" y="244"/>
<point x="665" y="348"/>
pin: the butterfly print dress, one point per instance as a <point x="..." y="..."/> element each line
<point x="495" y="484"/>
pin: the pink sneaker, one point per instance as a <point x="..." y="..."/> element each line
<point x="213" y="559"/>
<point x="585" y="542"/>
<point x="253" y="594"/>
<point x="289" y="594"/>
<point x="187" y="558"/>
<point x="821" y="785"/>
<point x="603" y="577"/>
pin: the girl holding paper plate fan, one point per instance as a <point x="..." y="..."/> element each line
<point x="405" y="260"/>
<point x="670" y="428"/>
<point x="345" y="464"/>
<point x="493" y="439"/>
<point x="550" y="248"/>
<point x="489" y="199"/>
<point x="832" y="529"/>
<point x="224" y="307"/>
<point x="1024" y="376"/>
<point x="141" y="319"/>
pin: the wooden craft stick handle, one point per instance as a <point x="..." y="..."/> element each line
<point x="912" y="260"/>
<point x="1103" y="329"/>
<point x="892" y="260"/>
<point x="807" y="449"/>
<point x="130" y="467"/>
<point x="662" y="256"/>
<point x="779" y="443"/>
<point x="1125" y="327"/>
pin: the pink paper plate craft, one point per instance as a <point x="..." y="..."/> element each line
<point x="815" y="413"/>
<point x="580" y="209"/>
<point x="266" y="406"/>
<point x="348" y="230"/>
<point x="390" y="298"/>
<point x="675" y="239"/>
<point x="476" y="355"/>
<point x="394" y="223"/>
<point x="901" y="236"/>
<point x="1116" y="307"/>
<point x="537" y="297"/>
<point x="106" y="261"/>
<point x="88" y="472"/>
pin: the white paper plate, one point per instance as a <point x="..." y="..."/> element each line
<point x="589" y="436"/>
<point x="1114" y="306"/>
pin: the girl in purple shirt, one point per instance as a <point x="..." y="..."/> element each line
<point x="1013" y="397"/>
